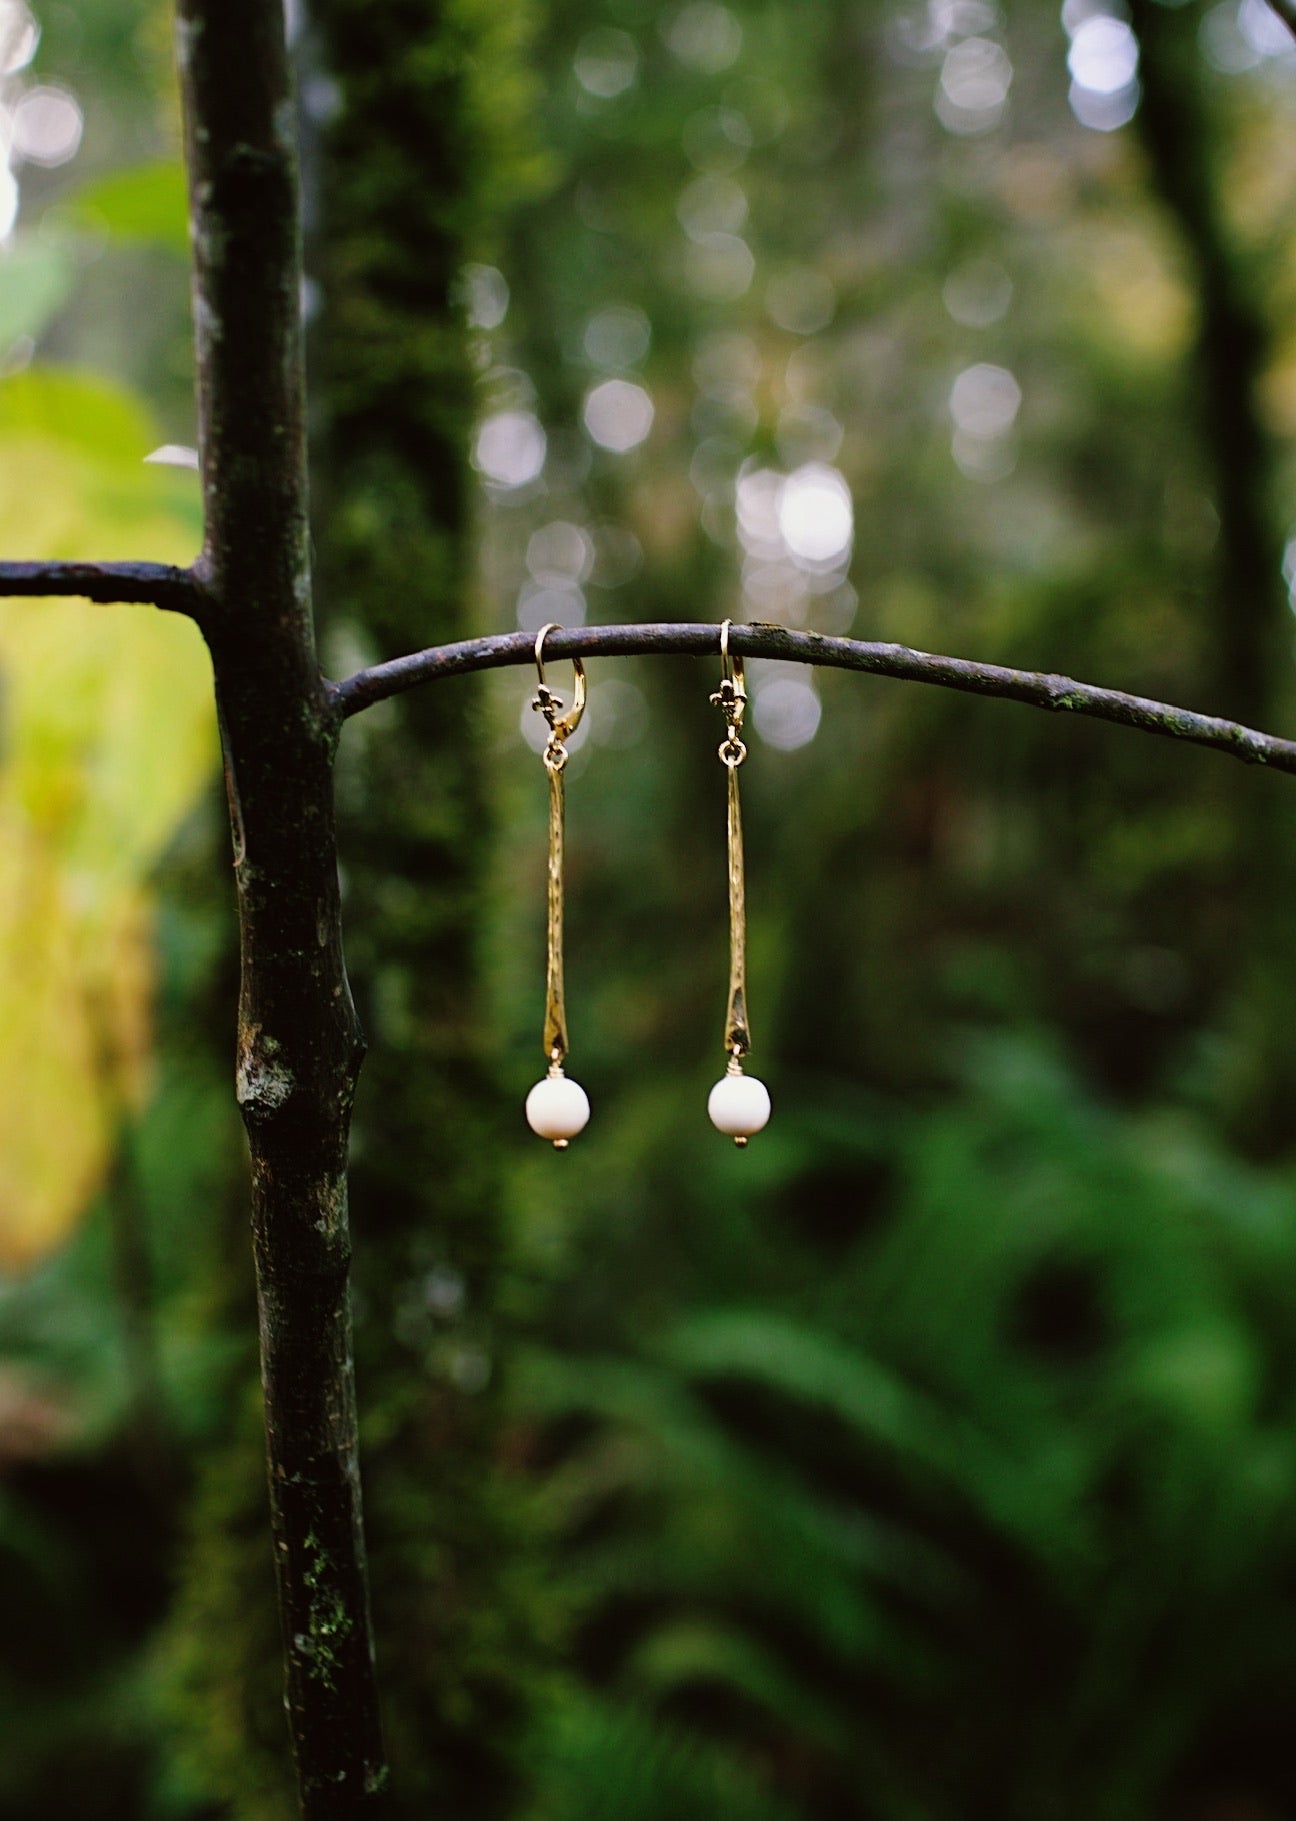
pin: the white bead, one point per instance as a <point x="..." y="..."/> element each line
<point x="739" y="1105"/>
<point x="557" y="1108"/>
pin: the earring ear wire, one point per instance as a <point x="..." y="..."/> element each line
<point x="739" y="1104"/>
<point x="556" y="1108"/>
<point x="550" y="705"/>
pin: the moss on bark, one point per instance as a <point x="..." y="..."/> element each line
<point x="408" y="170"/>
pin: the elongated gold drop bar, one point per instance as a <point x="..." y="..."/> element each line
<point x="737" y="1030"/>
<point x="555" y="1023"/>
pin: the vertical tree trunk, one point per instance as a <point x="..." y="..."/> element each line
<point x="1231" y="353"/>
<point x="299" y="1043"/>
<point x="1250" y="642"/>
<point x="404" y="180"/>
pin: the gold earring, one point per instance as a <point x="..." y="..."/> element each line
<point x="739" y="1105"/>
<point x="556" y="1108"/>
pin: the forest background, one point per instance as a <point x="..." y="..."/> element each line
<point x="936" y="1457"/>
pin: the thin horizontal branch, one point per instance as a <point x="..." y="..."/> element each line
<point x="158" y="584"/>
<point x="1060" y="694"/>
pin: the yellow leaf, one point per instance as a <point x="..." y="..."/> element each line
<point x="52" y="1135"/>
<point x="106" y="740"/>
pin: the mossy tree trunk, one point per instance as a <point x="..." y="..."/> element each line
<point x="402" y="177"/>
<point x="1250" y="629"/>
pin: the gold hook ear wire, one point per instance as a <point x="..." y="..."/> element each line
<point x="731" y="664"/>
<point x="549" y="705"/>
<point x="732" y="667"/>
<point x="731" y="700"/>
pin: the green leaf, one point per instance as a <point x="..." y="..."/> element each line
<point x="1029" y="1493"/>
<point x="600" y="1761"/>
<point x="81" y="412"/>
<point x="35" y="281"/>
<point x="678" y="1659"/>
<point x="146" y="206"/>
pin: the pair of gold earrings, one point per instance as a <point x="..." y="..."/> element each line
<point x="557" y="1108"/>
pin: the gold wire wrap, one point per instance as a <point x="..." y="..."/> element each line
<point x="555" y="1024"/>
<point x="561" y="726"/>
<point x="731" y="700"/>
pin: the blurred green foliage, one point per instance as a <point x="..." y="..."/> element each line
<point x="934" y="1458"/>
<point x="986" y="1519"/>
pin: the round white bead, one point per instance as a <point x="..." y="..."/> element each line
<point x="557" y="1108"/>
<point x="739" y="1105"/>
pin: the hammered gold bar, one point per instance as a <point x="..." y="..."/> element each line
<point x="555" y="1025"/>
<point x="737" y="1035"/>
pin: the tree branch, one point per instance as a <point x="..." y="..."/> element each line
<point x="159" y="584"/>
<point x="1039" y="689"/>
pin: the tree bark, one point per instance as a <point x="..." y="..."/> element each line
<point x="299" y="1042"/>
<point x="1040" y="689"/>
<point x="1231" y="353"/>
<point x="161" y="585"/>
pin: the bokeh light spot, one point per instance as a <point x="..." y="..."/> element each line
<point x="8" y="201"/>
<point x="801" y="300"/>
<point x="1239" y="35"/>
<point x="808" y="433"/>
<point x="540" y="603"/>
<point x="1104" y="113"/>
<point x="983" y="458"/>
<point x="720" y="266"/>
<point x="618" y="415"/>
<point x="47" y="126"/>
<point x="560" y="554"/>
<point x="786" y="710"/>
<point x="1260" y="25"/>
<point x="1104" y="55"/>
<point x="486" y="296"/>
<point x="705" y="36"/>
<point x="977" y="293"/>
<point x="618" y="337"/>
<point x="19" y="36"/>
<point x="510" y="448"/>
<point x="606" y="63"/>
<point x="815" y="517"/>
<point x="756" y="500"/>
<point x="984" y="400"/>
<point x="975" y="79"/>
<point x="712" y="204"/>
